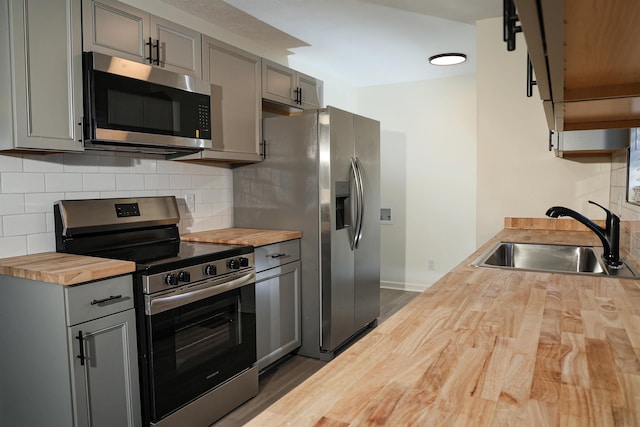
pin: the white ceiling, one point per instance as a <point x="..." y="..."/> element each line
<point x="364" y="42"/>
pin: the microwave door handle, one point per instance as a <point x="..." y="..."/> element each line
<point x="161" y="304"/>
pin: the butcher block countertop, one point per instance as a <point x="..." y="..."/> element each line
<point x="63" y="269"/>
<point x="488" y="347"/>
<point x="242" y="236"/>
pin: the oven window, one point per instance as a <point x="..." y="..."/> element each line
<point x="206" y="331"/>
<point x="198" y="346"/>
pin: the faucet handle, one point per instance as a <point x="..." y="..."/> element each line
<point x="600" y="206"/>
<point x="611" y="217"/>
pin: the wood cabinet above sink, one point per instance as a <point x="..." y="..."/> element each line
<point x="586" y="58"/>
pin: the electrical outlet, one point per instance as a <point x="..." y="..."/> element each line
<point x="190" y="200"/>
<point x="431" y="265"/>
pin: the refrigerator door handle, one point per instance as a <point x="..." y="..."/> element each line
<point x="360" y="185"/>
<point x="353" y="235"/>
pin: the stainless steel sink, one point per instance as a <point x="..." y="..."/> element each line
<point x="551" y="258"/>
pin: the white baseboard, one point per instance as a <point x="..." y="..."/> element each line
<point x="410" y="287"/>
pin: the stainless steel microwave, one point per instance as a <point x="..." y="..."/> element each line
<point x="129" y="106"/>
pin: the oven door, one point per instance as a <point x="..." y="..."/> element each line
<point x="199" y="336"/>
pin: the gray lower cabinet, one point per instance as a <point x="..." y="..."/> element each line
<point x="277" y="301"/>
<point x="69" y="354"/>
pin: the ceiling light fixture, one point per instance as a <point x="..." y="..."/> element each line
<point x="448" y="59"/>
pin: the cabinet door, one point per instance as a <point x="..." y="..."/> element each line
<point x="47" y="74"/>
<point x="116" y="29"/>
<point x="179" y="47"/>
<point x="236" y="108"/>
<point x="311" y="91"/>
<point x="105" y="383"/>
<point x="277" y="313"/>
<point x="279" y="83"/>
<point x="6" y="120"/>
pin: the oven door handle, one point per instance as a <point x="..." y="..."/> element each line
<point x="160" y="304"/>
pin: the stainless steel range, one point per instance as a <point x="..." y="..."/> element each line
<point x="195" y="305"/>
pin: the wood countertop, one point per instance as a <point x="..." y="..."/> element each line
<point x="486" y="347"/>
<point x="242" y="236"/>
<point x="63" y="269"/>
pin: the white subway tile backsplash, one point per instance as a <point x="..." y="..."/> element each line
<point x="114" y="194"/>
<point x="156" y="182"/>
<point x="13" y="246"/>
<point x="41" y="202"/>
<point x="30" y="184"/>
<point x="114" y="164"/>
<point x="98" y="182"/>
<point x="42" y="163"/>
<point x="212" y="196"/>
<point x="202" y="181"/>
<point x="175" y="193"/>
<point x="179" y="181"/>
<point x="166" y="167"/>
<point x="144" y="193"/>
<point x="11" y="204"/>
<point x="82" y="195"/>
<point x="80" y="163"/>
<point x="10" y="163"/>
<point x="15" y="225"/>
<point x="191" y="168"/>
<point x="43" y="242"/>
<point x="56" y="182"/>
<point x="14" y="182"/>
<point x="130" y="182"/>
<point x="144" y="166"/>
<point x="49" y="218"/>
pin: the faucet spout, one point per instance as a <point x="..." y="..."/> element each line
<point x="609" y="236"/>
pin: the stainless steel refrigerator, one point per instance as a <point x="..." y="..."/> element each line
<point x="321" y="175"/>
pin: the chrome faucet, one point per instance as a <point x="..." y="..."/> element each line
<point x="610" y="236"/>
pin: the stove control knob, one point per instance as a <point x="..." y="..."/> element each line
<point x="210" y="270"/>
<point x="171" y="279"/>
<point x="234" y="264"/>
<point x="184" y="276"/>
<point x="244" y="262"/>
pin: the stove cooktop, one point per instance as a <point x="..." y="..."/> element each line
<point x="192" y="253"/>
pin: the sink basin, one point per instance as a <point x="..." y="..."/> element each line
<point x="550" y="258"/>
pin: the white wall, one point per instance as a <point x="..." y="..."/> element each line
<point x="31" y="183"/>
<point x="428" y="173"/>
<point x="517" y="175"/>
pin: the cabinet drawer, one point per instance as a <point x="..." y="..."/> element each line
<point x="270" y="256"/>
<point x="93" y="300"/>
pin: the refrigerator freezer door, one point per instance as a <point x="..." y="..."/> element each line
<point x="367" y="254"/>
<point x="337" y="291"/>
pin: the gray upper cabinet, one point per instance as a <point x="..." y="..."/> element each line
<point x="289" y="87"/>
<point x="311" y="91"/>
<point x="236" y="113"/>
<point x="41" y="75"/>
<point x="117" y="29"/>
<point x="236" y="109"/>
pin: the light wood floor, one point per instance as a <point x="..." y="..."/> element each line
<point x="283" y="378"/>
